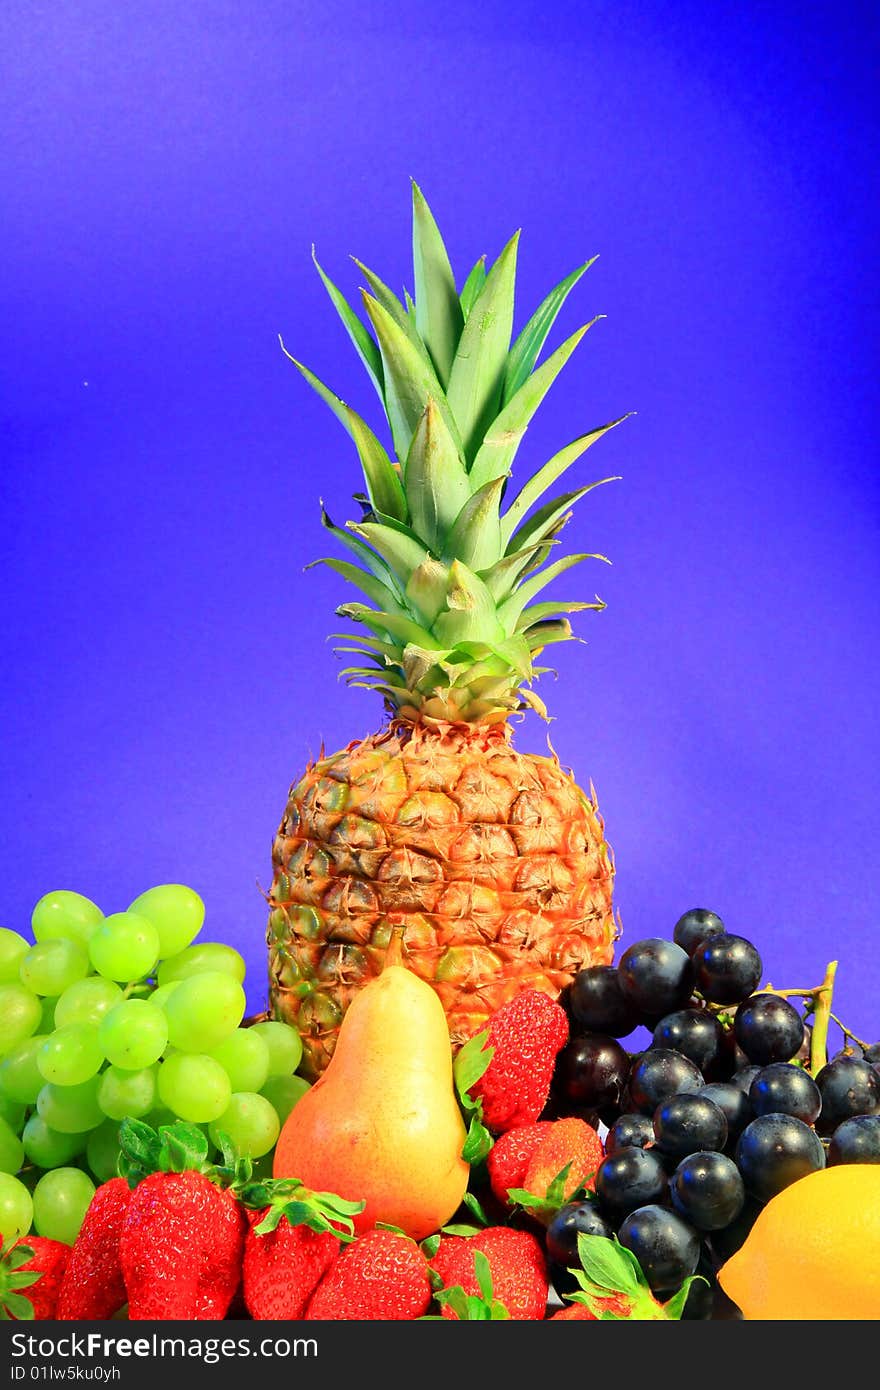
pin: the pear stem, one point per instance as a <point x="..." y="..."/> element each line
<point x="394" y="953"/>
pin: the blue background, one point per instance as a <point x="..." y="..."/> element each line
<point x="166" y="673"/>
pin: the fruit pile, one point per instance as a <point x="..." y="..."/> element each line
<point x="732" y="1100"/>
<point x="104" y="1018"/>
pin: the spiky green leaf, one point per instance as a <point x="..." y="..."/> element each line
<point x="435" y="478"/>
<point x="400" y="552"/>
<point x="472" y="286"/>
<point x="410" y="380"/>
<point x="524" y="353"/>
<point x="395" y="624"/>
<point x="367" y="349"/>
<point x="510" y="610"/>
<point x="548" y="517"/>
<point x="498" y="450"/>
<point x="383" y="483"/>
<point x="545" y="477"/>
<point x="375" y="590"/>
<point x="439" y="317"/>
<point x="477" y="377"/>
<point x="475" y="537"/>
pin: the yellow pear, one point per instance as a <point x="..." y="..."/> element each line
<point x="382" y="1124"/>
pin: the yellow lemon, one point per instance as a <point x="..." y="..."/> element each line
<point x="814" y="1251"/>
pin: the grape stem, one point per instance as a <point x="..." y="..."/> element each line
<point x="821" y="1019"/>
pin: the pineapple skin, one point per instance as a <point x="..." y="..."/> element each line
<point x="493" y="862"/>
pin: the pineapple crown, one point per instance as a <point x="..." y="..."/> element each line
<point x="451" y="570"/>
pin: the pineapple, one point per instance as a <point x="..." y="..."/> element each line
<point x="493" y="862"/>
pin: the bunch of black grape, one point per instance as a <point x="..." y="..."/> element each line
<point x="712" y="1119"/>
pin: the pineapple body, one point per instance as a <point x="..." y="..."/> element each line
<point x="493" y="862"/>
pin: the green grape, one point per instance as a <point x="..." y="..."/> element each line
<point x="124" y="1093"/>
<point x="134" y="1034"/>
<point x="71" y="1109"/>
<point x="177" y="913"/>
<point x="204" y="1010"/>
<point x="13" y="1112"/>
<point x="49" y="1148"/>
<point x="71" y="1055"/>
<point x="12" y="948"/>
<point x="47" y="1016"/>
<point x="20" y="1077"/>
<point x="244" y="1057"/>
<point x="161" y="1116"/>
<point x="61" y="1200"/>
<point x="87" y="1001"/>
<point x="50" y="966"/>
<point x="125" y="947"/>
<point x="16" y="1208"/>
<point x="207" y="955"/>
<point x="284" y="1044"/>
<point x="11" y="1151"/>
<point x="65" y="915"/>
<point x="102" y="1151"/>
<point x="251" y="1123"/>
<point x="162" y="993"/>
<point x="283" y="1092"/>
<point x="195" y="1087"/>
<point x="19" y="1016"/>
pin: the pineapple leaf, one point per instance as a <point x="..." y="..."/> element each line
<point x="400" y="552"/>
<point x="391" y="304"/>
<point x="472" y="286"/>
<point x="545" y="477"/>
<point x="426" y="589"/>
<point x="368" y="584"/>
<point x="539" y="612"/>
<point x="439" y="317"/>
<point x="374" y="563"/>
<point x="541" y="635"/>
<point x="471" y="614"/>
<point x="383" y="483"/>
<point x="524" y="353"/>
<point x="477" y="376"/>
<point x="501" y="577"/>
<point x="550" y="516"/>
<point x="503" y="436"/>
<point x="435" y="479"/>
<point x="410" y="380"/>
<point x="395" y="624"/>
<point x="475" y="537"/>
<point x="366" y="347"/>
<point x="510" y="610"/>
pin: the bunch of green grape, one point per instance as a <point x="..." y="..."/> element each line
<point x="103" y="1017"/>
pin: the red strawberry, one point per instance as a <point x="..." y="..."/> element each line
<point x="380" y="1276"/>
<point x="93" y="1287"/>
<point x="21" y="1296"/>
<point x="510" y="1156"/>
<point x="516" y="1263"/>
<point x="569" y="1144"/>
<point x="181" y="1248"/>
<point x="525" y="1034"/>
<point x="614" y="1303"/>
<point x="283" y="1267"/>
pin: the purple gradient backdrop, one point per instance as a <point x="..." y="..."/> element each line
<point x="166" y="673"/>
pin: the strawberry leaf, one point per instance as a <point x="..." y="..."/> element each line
<point x="16" y="1306"/>
<point x="140" y="1150"/>
<point x="184" y="1148"/>
<point x="473" y="1206"/>
<point x="478" y="1142"/>
<point x="462" y="1230"/>
<point x="429" y="1248"/>
<point x="15" y="1255"/>
<point x="470" y="1064"/>
<point x="608" y="1265"/>
<point x="674" y="1307"/>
